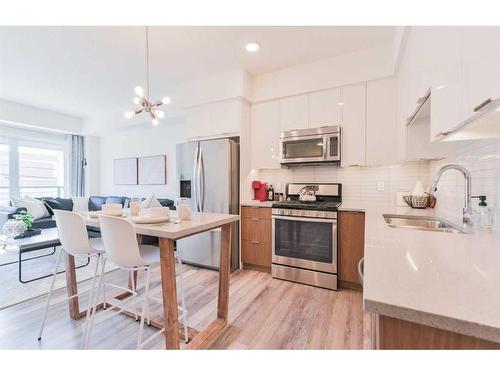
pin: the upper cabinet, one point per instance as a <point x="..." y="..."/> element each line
<point x="381" y="121"/>
<point x="212" y="120"/>
<point x="324" y="108"/>
<point x="461" y="66"/>
<point x="480" y="68"/>
<point x="353" y="150"/>
<point x="446" y="82"/>
<point x="264" y="135"/>
<point x="294" y="112"/>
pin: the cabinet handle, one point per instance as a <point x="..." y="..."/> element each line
<point x="361" y="270"/>
<point x="255" y="218"/>
<point x="442" y="134"/>
<point x="481" y="105"/>
<point x="255" y="242"/>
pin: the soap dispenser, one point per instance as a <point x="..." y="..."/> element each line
<point x="485" y="214"/>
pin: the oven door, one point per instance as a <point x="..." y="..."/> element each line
<point x="303" y="149"/>
<point x="308" y="243"/>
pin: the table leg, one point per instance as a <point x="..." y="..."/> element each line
<point x="224" y="272"/>
<point x="208" y="335"/>
<point x="169" y="292"/>
<point x="71" y="285"/>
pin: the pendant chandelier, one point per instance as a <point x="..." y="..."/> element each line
<point x="142" y="99"/>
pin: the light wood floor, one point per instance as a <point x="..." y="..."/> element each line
<point x="265" y="313"/>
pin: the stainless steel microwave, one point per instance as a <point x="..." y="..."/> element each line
<point x="310" y="146"/>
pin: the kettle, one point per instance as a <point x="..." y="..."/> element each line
<point x="307" y="194"/>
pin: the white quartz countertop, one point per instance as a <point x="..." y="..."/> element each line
<point x="254" y="203"/>
<point x="444" y="280"/>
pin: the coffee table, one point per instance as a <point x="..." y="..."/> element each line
<point x="49" y="238"/>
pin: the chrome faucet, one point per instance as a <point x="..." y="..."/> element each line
<point x="467" y="211"/>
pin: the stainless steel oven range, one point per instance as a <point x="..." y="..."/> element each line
<point x="304" y="238"/>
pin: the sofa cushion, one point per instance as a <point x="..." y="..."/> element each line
<point x="96" y="202"/>
<point x="66" y="203"/>
<point x="53" y="204"/>
<point x="45" y="223"/>
<point x="167" y="203"/>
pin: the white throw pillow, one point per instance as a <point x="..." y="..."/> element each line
<point x="151" y="202"/>
<point x="80" y="204"/>
<point x="33" y="206"/>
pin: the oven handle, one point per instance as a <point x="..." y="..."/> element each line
<point x="300" y="218"/>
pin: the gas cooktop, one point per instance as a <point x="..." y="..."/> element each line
<point x="315" y="206"/>
<point x="328" y="197"/>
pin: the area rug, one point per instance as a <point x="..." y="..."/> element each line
<point x="13" y="292"/>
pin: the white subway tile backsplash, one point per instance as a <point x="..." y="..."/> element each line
<point x="358" y="183"/>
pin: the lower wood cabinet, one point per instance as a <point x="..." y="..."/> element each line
<point x="256" y="238"/>
<point x="351" y="232"/>
<point x="392" y="333"/>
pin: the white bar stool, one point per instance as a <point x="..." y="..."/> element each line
<point x="75" y="241"/>
<point x="122" y="249"/>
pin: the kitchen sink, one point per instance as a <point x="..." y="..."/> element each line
<point x="434" y="224"/>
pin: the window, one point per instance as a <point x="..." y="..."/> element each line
<point x="31" y="164"/>
<point x="4" y="174"/>
<point x="41" y="172"/>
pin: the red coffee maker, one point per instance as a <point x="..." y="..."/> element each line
<point x="259" y="191"/>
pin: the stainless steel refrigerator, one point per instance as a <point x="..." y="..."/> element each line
<point x="208" y="177"/>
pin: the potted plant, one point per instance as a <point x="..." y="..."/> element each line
<point x="23" y="226"/>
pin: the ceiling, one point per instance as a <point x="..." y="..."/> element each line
<point x="86" y="70"/>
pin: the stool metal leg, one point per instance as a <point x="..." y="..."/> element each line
<point x="94" y="304"/>
<point x="90" y="305"/>
<point x="50" y="294"/>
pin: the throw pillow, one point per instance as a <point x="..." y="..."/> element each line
<point x="33" y="206"/>
<point x="80" y="204"/>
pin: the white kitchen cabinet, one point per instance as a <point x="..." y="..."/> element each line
<point x="324" y="108"/>
<point x="264" y="135"/>
<point x="293" y="112"/>
<point x="214" y="119"/>
<point x="353" y="151"/>
<point x="381" y="122"/>
<point x="480" y="56"/>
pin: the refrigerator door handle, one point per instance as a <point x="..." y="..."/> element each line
<point x="195" y="177"/>
<point x="201" y="181"/>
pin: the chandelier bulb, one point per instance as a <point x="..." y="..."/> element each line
<point x="139" y="91"/>
<point x="156" y="122"/>
<point x="137" y="100"/>
<point x="129" y="114"/>
<point x="165" y="100"/>
<point x="160" y="113"/>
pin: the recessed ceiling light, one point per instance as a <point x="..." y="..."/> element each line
<point x="252" y="47"/>
<point x="340" y="103"/>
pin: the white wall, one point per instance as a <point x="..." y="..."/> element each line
<point x="21" y="115"/>
<point x="143" y="141"/>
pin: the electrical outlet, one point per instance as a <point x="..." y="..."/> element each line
<point x="380" y="186"/>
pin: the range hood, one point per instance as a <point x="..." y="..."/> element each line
<point x="485" y="123"/>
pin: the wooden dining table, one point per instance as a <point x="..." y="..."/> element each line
<point x="168" y="233"/>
